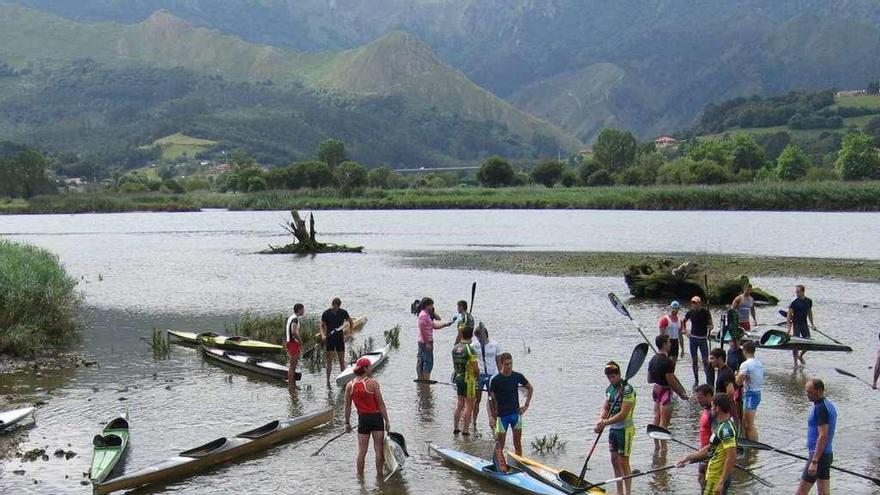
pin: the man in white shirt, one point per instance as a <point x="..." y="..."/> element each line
<point x="751" y="378"/>
<point x="488" y="358"/>
<point x="293" y="343"/>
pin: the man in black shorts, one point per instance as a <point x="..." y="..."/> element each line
<point x="332" y="323"/>
<point x="799" y="312"/>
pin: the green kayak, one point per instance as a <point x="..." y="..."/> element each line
<point x="109" y="447"/>
<point x="778" y="339"/>
<point x="210" y="339"/>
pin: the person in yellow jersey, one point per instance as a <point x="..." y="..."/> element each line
<point x="464" y="360"/>
<point x="721" y="450"/>
<point x="617" y="414"/>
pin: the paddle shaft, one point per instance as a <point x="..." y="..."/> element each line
<point x="328" y="443"/>
<point x="617" y="401"/>
<point x="315" y="347"/>
<point x="738" y="466"/>
<point x="820" y="332"/>
<point x="876" y="481"/>
<point x="622" y="478"/>
<point x="851" y="375"/>
<point x="615" y="301"/>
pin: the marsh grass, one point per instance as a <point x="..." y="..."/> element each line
<point x="366" y="346"/>
<point x="392" y="337"/>
<point x="158" y="343"/>
<point x="548" y="444"/>
<point x="38" y="301"/>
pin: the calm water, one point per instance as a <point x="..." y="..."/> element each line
<point x="198" y="271"/>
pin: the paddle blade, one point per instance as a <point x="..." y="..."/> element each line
<point x="784" y="313"/>
<point x="473" y="292"/>
<point x="618" y="305"/>
<point x="751" y="444"/>
<point x="845" y="373"/>
<point x="636" y="360"/>
<point x="658" y="433"/>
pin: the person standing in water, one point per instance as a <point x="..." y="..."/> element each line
<point x="293" y="343"/>
<point x="504" y="408"/>
<point x="332" y="323"/>
<point x="704" y="394"/>
<point x="744" y="304"/>
<point x="464" y="362"/>
<point x="750" y="378"/>
<point x="427" y="325"/>
<point x="463" y="319"/>
<point x="671" y="325"/>
<point x="800" y="320"/>
<point x="821" y="424"/>
<point x="365" y="393"/>
<point x="617" y="414"/>
<point x="721" y="450"/>
<point x="698" y="337"/>
<point x="661" y="372"/>
<point x="489" y="360"/>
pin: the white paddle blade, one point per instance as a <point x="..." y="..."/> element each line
<point x="618" y="305"/>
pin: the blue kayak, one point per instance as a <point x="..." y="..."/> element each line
<point x="515" y="479"/>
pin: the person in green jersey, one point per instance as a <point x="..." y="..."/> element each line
<point x="617" y="414"/>
<point x="721" y="450"/>
<point x="464" y="361"/>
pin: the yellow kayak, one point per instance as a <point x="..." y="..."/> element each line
<point x="359" y="323"/>
<point x="557" y="478"/>
<point x="241" y="344"/>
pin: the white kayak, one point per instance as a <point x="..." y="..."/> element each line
<point x="394" y="447"/>
<point x="377" y="358"/>
<point x="9" y="418"/>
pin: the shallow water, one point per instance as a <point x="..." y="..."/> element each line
<point x="197" y="271"/>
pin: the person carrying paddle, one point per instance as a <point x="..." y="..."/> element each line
<point x="464" y="361"/>
<point x="373" y="420"/>
<point x="750" y="377"/>
<point x="821" y="424"/>
<point x="704" y="394"/>
<point x="463" y="319"/>
<point x="489" y="360"/>
<point x="617" y="416"/>
<point x="427" y="325"/>
<point x="504" y="408"/>
<point x="721" y="450"/>
<point x="661" y="372"/>
<point x="744" y="304"/>
<point x="332" y="322"/>
<point x="698" y="337"/>
<point x="671" y="325"/>
<point x="293" y="343"/>
<point x="800" y="312"/>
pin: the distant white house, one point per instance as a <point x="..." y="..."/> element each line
<point x="75" y="184"/>
<point x="665" y="142"/>
<point x="851" y="92"/>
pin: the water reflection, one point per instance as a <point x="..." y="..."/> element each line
<point x="426" y="402"/>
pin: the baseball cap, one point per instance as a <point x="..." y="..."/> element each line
<point x="362" y="363"/>
<point x="675" y="304"/>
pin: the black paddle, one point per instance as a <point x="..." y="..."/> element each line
<point x="618" y="305"/>
<point x="851" y="375"/>
<point x="313" y="349"/>
<point x="751" y="444"/>
<point x="473" y="292"/>
<point x="328" y="443"/>
<point x="590" y="486"/>
<point x="660" y="433"/>
<point x="432" y="382"/>
<point x="636" y="359"/>
<point x="820" y="332"/>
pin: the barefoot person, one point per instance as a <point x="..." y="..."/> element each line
<point x="721" y="450"/>
<point x="704" y="394"/>
<point x="617" y="414"/>
<point x="820" y="438"/>
<point x="464" y="362"/>
<point x="800" y="312"/>
<point x="373" y="421"/>
<point x="671" y="325"/>
<point x="750" y="378"/>
<point x="293" y="343"/>
<point x="427" y="325"/>
<point x="698" y="337"/>
<point x="744" y="304"/>
<point x="332" y="322"/>
<point x="661" y="372"/>
<point x="463" y="319"/>
<point x="504" y="408"/>
<point x="489" y="360"/>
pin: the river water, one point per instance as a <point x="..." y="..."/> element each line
<point x="198" y="271"/>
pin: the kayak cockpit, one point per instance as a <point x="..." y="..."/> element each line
<point x="260" y="432"/>
<point x="117" y="424"/>
<point x="206" y="449"/>
<point x="103" y="441"/>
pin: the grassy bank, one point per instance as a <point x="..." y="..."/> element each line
<point x="38" y="301"/>
<point x="614" y="264"/>
<point x="804" y="196"/>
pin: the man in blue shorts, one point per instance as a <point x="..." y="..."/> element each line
<point x="750" y="377"/>
<point x="504" y="408"/>
<point x="820" y="438"/>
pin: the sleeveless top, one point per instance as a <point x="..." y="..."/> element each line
<point x="364" y="401"/>
<point x="673" y="327"/>
<point x="288" y="329"/>
<point x="744" y="310"/>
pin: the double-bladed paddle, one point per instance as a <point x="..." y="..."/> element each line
<point x="618" y="305"/>
<point x="590" y="486"/>
<point x="851" y="375"/>
<point x="820" y="332"/>
<point x="660" y="433"/>
<point x="328" y="443"/>
<point x="636" y="359"/>
<point x="751" y="444"/>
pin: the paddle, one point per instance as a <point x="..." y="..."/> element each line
<point x="313" y="349"/>
<point x="328" y="443"/>
<point x="851" y="375"/>
<point x="751" y="444"/>
<point x="660" y="433"/>
<point x="618" y="305"/>
<point x="820" y="332"/>
<point x="590" y="486"/>
<point x="636" y="359"/>
<point x="432" y="382"/>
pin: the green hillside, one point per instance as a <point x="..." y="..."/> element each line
<point x="397" y="64"/>
<point x="179" y="144"/>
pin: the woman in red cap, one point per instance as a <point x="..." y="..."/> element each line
<point x="372" y="416"/>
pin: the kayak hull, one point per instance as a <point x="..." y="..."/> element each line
<point x="516" y="480"/>
<point x="777" y="339"/>
<point x="248" y="363"/>
<point x="240" y="344"/>
<point x="546" y="474"/>
<point x="377" y="358"/>
<point x="219" y="451"/>
<point x="9" y="418"/>
<point x="395" y="456"/>
<point x="109" y="449"/>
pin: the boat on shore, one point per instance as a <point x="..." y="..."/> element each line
<point x="377" y="358"/>
<point x="249" y="363"/>
<point x="210" y="339"/>
<point x="9" y="418"/>
<point x="514" y="479"/>
<point x="109" y="448"/>
<point x="221" y="450"/>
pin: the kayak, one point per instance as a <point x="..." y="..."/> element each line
<point x="557" y="478"/>
<point x="253" y="364"/>
<point x="109" y="448"/>
<point x="211" y="339"/>
<point x="377" y="358"/>
<point x="515" y="479"/>
<point x="778" y="339"/>
<point x="9" y="418"/>
<point x="394" y="447"/>
<point x="221" y="450"/>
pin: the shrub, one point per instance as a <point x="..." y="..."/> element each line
<point x="496" y="172"/>
<point x="792" y="164"/>
<point x="600" y="178"/>
<point x="548" y="173"/>
<point x="858" y="159"/>
<point x="569" y="179"/>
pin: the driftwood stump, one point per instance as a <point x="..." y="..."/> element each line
<point x="668" y="281"/>
<point x="304" y="240"/>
